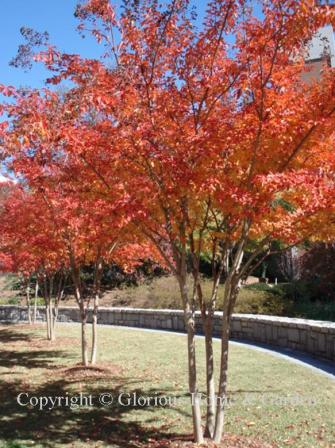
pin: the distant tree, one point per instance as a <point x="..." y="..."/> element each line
<point x="290" y="264"/>
<point x="29" y="239"/>
<point x="317" y="269"/>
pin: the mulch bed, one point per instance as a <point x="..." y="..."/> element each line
<point x="81" y="372"/>
<point x="228" y="441"/>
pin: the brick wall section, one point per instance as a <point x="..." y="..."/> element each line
<point x="314" y="337"/>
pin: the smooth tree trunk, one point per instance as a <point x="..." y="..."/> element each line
<point x="179" y="267"/>
<point x="50" y="288"/>
<point x="232" y="285"/>
<point x="192" y="367"/>
<point x="231" y="292"/>
<point x="97" y="286"/>
<point x="52" y="321"/>
<point x="58" y="298"/>
<point x="207" y="317"/>
<point x="75" y="273"/>
<point x="44" y="288"/>
<point x="84" y="345"/>
<point x="192" y="370"/>
<point x="35" y="302"/>
<point x="52" y="324"/>
<point x="95" y="329"/>
<point x="207" y="313"/>
<point x="210" y="381"/>
<point x="47" y="318"/>
<point x="222" y="393"/>
<point x="28" y="300"/>
<point x="47" y="291"/>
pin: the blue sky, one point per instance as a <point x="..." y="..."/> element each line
<point x="54" y="16"/>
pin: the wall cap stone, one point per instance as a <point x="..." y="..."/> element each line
<point x="290" y="321"/>
<point x="305" y="335"/>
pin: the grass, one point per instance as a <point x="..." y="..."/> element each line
<point x="270" y="397"/>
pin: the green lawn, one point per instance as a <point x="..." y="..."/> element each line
<point x="270" y="397"/>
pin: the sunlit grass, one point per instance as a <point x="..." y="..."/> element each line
<point x="270" y="398"/>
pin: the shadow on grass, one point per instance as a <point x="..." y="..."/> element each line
<point x="116" y="425"/>
<point x="36" y="359"/>
<point x="13" y="356"/>
<point x="10" y="333"/>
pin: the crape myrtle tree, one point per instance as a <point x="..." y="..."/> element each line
<point x="94" y="233"/>
<point x="213" y="136"/>
<point x="91" y="230"/>
<point x="28" y="238"/>
<point x="51" y="236"/>
<point x="11" y="262"/>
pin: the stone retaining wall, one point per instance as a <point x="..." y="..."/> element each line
<point x="314" y="337"/>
